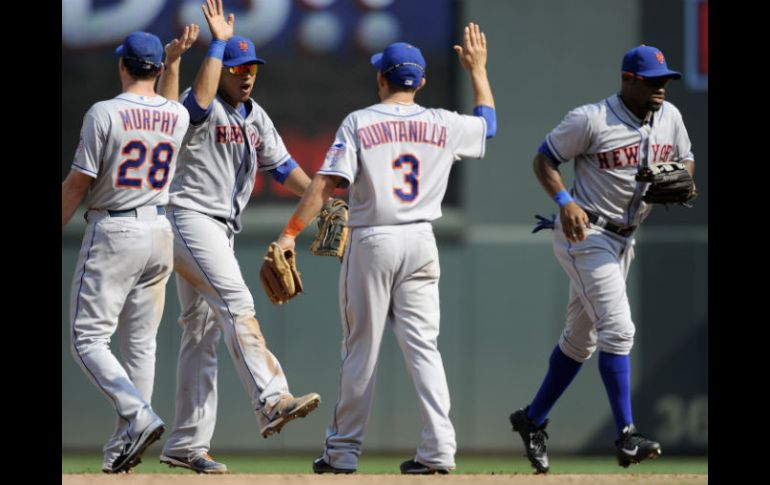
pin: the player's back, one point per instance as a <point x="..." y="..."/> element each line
<point x="131" y="143"/>
<point x="404" y="156"/>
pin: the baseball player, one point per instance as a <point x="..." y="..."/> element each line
<point x="593" y="238"/>
<point x="229" y="140"/>
<point x="124" y="163"/>
<point x="395" y="156"/>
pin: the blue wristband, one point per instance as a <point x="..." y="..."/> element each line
<point x="562" y="198"/>
<point x="217" y="49"/>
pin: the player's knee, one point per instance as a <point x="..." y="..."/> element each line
<point x="618" y="341"/>
<point x="578" y="353"/>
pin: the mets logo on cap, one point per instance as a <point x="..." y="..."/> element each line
<point x="243" y="45"/>
<point x="659" y="57"/>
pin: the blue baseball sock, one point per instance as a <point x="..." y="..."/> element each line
<point x="560" y="373"/>
<point x="616" y="375"/>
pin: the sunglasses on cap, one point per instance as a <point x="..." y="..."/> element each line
<point x="243" y="69"/>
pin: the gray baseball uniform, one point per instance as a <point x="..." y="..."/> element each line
<point x="609" y="144"/>
<point x="397" y="159"/>
<point x="129" y="145"/>
<point x="220" y="157"/>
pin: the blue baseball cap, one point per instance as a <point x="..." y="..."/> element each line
<point x="401" y="64"/>
<point x="240" y="50"/>
<point x="142" y="49"/>
<point x="647" y="61"/>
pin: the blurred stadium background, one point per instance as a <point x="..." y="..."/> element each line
<point x="503" y="294"/>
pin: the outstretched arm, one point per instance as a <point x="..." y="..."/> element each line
<point x="321" y="188"/>
<point x="473" y="57"/>
<point x="297" y="182"/>
<point x="207" y="80"/>
<point x="573" y="218"/>
<point x="168" y="87"/>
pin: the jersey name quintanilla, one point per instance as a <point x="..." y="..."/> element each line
<point x="402" y="131"/>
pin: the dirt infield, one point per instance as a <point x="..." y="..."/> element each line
<point x="508" y="479"/>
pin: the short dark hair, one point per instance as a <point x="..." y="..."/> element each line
<point x="141" y="71"/>
<point x="398" y="88"/>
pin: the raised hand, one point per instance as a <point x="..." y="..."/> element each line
<point x="177" y="47"/>
<point x="220" y="28"/>
<point x="473" y="53"/>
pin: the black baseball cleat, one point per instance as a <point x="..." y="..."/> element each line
<point x="320" y="466"/>
<point x="632" y="447"/>
<point x="132" y="452"/>
<point x="414" y="467"/>
<point x="533" y="437"/>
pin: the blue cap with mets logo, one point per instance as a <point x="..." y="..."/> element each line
<point x="401" y="64"/>
<point x="240" y="50"/>
<point x="141" y="49"/>
<point x="647" y="61"/>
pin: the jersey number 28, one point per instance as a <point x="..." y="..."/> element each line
<point x="411" y="170"/>
<point x="157" y="176"/>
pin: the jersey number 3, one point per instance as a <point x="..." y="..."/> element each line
<point x="410" y="166"/>
<point x="157" y="176"/>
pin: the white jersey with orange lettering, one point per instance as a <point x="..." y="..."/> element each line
<point x="402" y="155"/>
<point x="397" y="160"/>
<point x="609" y="143"/>
<point x="220" y="158"/>
<point x="129" y="145"/>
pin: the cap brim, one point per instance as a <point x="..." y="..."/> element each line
<point x="663" y="73"/>
<point x="243" y="60"/>
<point x="119" y="50"/>
<point x="376" y="58"/>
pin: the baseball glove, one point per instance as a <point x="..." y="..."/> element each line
<point x="279" y="275"/>
<point x="332" y="229"/>
<point x="670" y="183"/>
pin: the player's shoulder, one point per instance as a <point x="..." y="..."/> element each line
<point x="257" y="111"/>
<point x="354" y="118"/>
<point x="590" y="110"/>
<point x="102" y="109"/>
<point x="669" y="109"/>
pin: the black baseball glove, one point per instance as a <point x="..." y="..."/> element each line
<point x="670" y="183"/>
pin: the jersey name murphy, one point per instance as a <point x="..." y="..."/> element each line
<point x="392" y="131"/>
<point x="148" y="120"/>
<point x="628" y="156"/>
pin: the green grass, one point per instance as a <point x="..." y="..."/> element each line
<point x="486" y="464"/>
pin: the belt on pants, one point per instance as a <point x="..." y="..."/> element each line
<point x="132" y="212"/>
<point x="600" y="221"/>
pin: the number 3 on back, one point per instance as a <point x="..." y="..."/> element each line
<point x="410" y="166"/>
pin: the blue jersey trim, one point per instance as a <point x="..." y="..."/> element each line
<point x="488" y="113"/>
<point x="396" y="114"/>
<point x="272" y="166"/>
<point x="281" y="172"/>
<point x="618" y="117"/>
<point x="553" y="149"/>
<point x="88" y="172"/>
<point x="197" y="113"/>
<point x="545" y="150"/>
<point x="165" y="102"/>
<point x="629" y="217"/>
